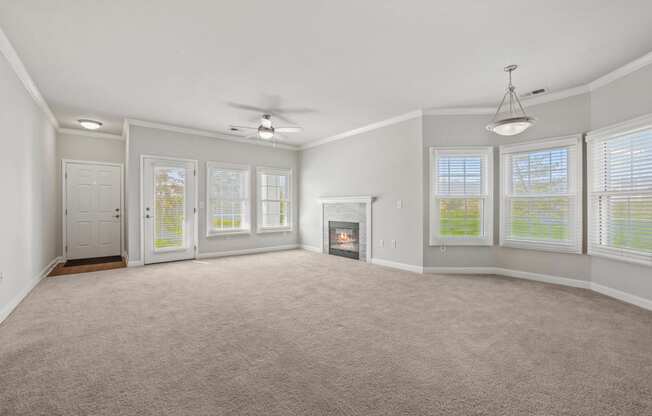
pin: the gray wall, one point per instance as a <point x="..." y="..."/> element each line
<point x="77" y="147"/>
<point x="28" y="183"/>
<point x="568" y="116"/>
<point x="155" y="142"/>
<point x="619" y="101"/>
<point x="385" y="163"/>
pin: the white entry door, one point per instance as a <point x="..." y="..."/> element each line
<point x="169" y="205"/>
<point x="93" y="196"/>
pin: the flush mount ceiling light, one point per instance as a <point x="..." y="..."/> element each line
<point x="89" y="124"/>
<point x="512" y="120"/>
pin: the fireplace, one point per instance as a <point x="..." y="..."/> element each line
<point x="343" y="239"/>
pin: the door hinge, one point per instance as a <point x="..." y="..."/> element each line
<point x="66" y="211"/>
<point x="195" y="210"/>
<point x="194" y="172"/>
<point x="66" y="175"/>
<point x="66" y="248"/>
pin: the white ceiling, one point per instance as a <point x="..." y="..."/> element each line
<point x="343" y="63"/>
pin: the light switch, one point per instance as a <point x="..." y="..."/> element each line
<point x="394" y="243"/>
<point x="382" y="243"/>
<point x="399" y="203"/>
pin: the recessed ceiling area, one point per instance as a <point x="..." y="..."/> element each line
<point x="339" y="65"/>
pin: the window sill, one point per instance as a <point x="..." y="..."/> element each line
<point x="639" y="259"/>
<point x="541" y="246"/>
<point x="226" y="233"/>
<point x="449" y="242"/>
<point x="274" y="230"/>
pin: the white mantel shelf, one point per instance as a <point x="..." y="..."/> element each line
<point x="360" y="199"/>
<point x="363" y="199"/>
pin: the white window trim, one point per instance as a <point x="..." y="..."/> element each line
<point x="575" y="182"/>
<point x="231" y="166"/>
<point x="592" y="138"/>
<point x="259" y="211"/>
<point x="487" y="196"/>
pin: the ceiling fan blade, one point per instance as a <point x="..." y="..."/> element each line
<point x="246" y="107"/>
<point x="233" y="126"/>
<point x="291" y="110"/>
<point x="288" y="129"/>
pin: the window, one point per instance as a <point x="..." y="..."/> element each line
<point x="228" y="199"/>
<point x="541" y="187"/>
<point x="461" y="208"/>
<point x="274" y="199"/>
<point x="620" y="191"/>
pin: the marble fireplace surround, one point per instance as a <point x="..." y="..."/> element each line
<point x="348" y="204"/>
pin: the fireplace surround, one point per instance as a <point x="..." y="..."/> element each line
<point x="352" y="209"/>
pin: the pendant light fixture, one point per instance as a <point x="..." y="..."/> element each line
<point x="512" y="120"/>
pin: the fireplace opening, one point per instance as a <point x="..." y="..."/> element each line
<point x="343" y="239"/>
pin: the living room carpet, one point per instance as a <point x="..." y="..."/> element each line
<point x="298" y="333"/>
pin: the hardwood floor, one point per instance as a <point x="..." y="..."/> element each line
<point x="73" y="267"/>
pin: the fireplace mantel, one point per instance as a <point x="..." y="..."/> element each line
<point x="365" y="199"/>
<point x="359" y="199"/>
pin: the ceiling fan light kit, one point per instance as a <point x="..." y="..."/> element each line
<point x="266" y="131"/>
<point x="513" y="120"/>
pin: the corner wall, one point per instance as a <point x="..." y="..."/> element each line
<point x="28" y="183"/>
<point x="385" y="163"/>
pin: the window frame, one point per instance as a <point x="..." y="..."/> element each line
<point x="575" y="187"/>
<point x="210" y="232"/>
<point x="486" y="195"/>
<point x="263" y="170"/>
<point x="593" y="139"/>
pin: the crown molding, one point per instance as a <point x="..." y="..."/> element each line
<point x="364" y="129"/>
<point x="93" y="134"/>
<point x="458" y="111"/>
<point x="621" y="72"/>
<point x="205" y="133"/>
<point x="7" y="49"/>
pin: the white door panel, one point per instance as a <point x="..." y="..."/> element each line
<point x="169" y="215"/>
<point x="93" y="210"/>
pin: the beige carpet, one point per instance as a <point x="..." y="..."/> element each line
<point x="297" y="333"/>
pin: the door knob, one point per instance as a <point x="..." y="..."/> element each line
<point x="117" y="216"/>
<point x="147" y="216"/>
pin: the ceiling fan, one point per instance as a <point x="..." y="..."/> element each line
<point x="266" y="131"/>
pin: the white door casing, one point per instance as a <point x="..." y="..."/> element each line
<point x="92" y="209"/>
<point x="169" y="211"/>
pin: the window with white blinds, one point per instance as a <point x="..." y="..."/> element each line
<point x="274" y="199"/>
<point x="228" y="198"/>
<point x="541" y="195"/>
<point x="461" y="208"/>
<point x="620" y="191"/>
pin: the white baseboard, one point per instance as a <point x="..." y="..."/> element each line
<point x="545" y="278"/>
<point x="624" y="296"/>
<point x="539" y="277"/>
<point x="246" y="251"/>
<point x="396" y="265"/>
<point x="459" y="270"/>
<point x="7" y="309"/>
<point x="311" y="248"/>
<point x="135" y="263"/>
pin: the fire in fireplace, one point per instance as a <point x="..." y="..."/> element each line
<point x="343" y="239"/>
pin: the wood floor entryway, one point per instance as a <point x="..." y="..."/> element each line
<point x="88" y="265"/>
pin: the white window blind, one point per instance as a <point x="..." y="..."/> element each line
<point x="461" y="202"/>
<point x="541" y="195"/>
<point x="274" y="199"/>
<point x="620" y="192"/>
<point x="170" y="208"/>
<point x="228" y="198"/>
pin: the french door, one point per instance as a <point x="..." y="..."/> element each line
<point x="169" y="209"/>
